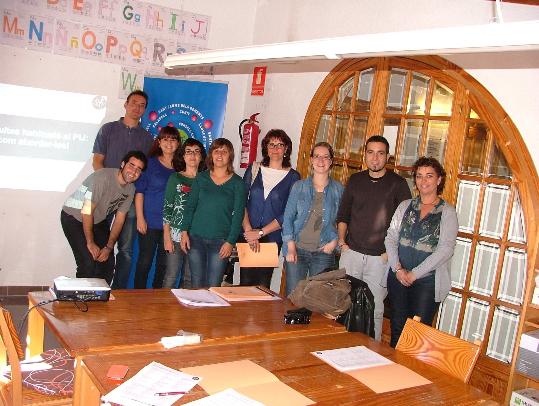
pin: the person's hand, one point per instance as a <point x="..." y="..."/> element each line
<point x="94" y="249"/>
<point x="292" y="255"/>
<point x="255" y="246"/>
<point x="104" y="254"/>
<point x="329" y="247"/>
<point x="251" y="235"/>
<point x="142" y="226"/>
<point x="410" y="277"/>
<point x="185" y="244"/>
<point x="226" y="250"/>
<point x="343" y="246"/>
<point x="168" y="244"/>
<point x="402" y="277"/>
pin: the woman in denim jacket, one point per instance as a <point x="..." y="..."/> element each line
<point x="309" y="229"/>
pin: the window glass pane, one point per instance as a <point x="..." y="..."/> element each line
<point x="344" y="96"/>
<point x="494" y="208"/>
<point x="502" y="334"/>
<point x="517" y="227"/>
<point x="323" y="128"/>
<point x="475" y="144"/>
<point x="329" y="104"/>
<point x="397" y="81"/>
<point x="475" y="319"/>
<point x="341" y="128"/>
<point x="468" y="196"/>
<point x="358" y="138"/>
<point x="448" y="316"/>
<point x="484" y="268"/>
<point x="364" y="90"/>
<point x="407" y="175"/>
<point x="473" y="114"/>
<point x="498" y="165"/>
<point x="418" y="94"/>
<point x="412" y="140"/>
<point x="513" y="276"/>
<point x="459" y="262"/>
<point x="442" y="100"/>
<point x="436" y="139"/>
<point x="337" y="171"/>
<point x="391" y="131"/>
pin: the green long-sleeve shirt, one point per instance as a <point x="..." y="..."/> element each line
<point x="215" y="211"/>
<point x="176" y="194"/>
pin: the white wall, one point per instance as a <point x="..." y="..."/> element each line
<point x="33" y="249"/>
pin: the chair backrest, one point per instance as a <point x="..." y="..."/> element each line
<point x="14" y="351"/>
<point x="449" y="354"/>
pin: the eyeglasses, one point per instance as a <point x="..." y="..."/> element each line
<point x="134" y="167"/>
<point x="192" y="152"/>
<point x="276" y="146"/>
<point x="322" y="157"/>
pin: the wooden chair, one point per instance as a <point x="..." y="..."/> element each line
<point x="449" y="354"/>
<point x="12" y="391"/>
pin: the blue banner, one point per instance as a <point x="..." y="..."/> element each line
<point x="196" y="109"/>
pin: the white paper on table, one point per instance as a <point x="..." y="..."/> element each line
<point x="228" y="397"/>
<point x="199" y="298"/>
<point x="350" y="358"/>
<point x="154" y="378"/>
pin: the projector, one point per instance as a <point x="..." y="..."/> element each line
<point x="81" y="289"/>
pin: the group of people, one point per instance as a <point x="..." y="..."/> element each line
<point x="189" y="204"/>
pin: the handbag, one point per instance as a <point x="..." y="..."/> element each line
<point x="327" y="292"/>
<point x="360" y="316"/>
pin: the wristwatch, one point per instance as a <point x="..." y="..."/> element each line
<point x="261" y="232"/>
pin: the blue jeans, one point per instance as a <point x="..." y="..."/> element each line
<point x="309" y="263"/>
<point x="147" y="245"/>
<point x="125" y="251"/>
<point x="207" y="268"/>
<point x="175" y="265"/>
<point x="407" y="302"/>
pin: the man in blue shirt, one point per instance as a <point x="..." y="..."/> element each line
<point x="113" y="141"/>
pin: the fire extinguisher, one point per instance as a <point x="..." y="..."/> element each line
<point x="249" y="140"/>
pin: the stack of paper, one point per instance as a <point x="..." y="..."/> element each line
<point x="371" y="369"/>
<point x="243" y="293"/>
<point x="153" y="385"/>
<point x="250" y="380"/>
<point x="228" y="397"/>
<point x="199" y="298"/>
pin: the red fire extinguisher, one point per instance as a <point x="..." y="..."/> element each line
<point x="249" y="140"/>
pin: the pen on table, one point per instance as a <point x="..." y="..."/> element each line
<point x="169" y="393"/>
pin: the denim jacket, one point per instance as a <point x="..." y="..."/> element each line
<point x="299" y="206"/>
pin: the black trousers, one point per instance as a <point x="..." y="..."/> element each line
<point x="87" y="267"/>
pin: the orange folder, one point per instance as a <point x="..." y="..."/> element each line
<point x="268" y="256"/>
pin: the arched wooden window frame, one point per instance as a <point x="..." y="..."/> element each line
<point x="467" y="92"/>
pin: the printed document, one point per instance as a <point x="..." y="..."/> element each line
<point x="154" y="385"/>
<point x="348" y="359"/>
<point x="199" y="298"/>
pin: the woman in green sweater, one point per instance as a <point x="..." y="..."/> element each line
<point x="213" y="216"/>
<point x="188" y="162"/>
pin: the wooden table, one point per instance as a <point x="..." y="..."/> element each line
<point x="290" y="360"/>
<point x="137" y="319"/>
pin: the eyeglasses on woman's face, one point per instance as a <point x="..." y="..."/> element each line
<point x="192" y="151"/>
<point x="278" y="145"/>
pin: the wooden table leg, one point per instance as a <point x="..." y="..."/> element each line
<point x="36" y="334"/>
<point x="85" y="392"/>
